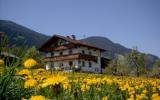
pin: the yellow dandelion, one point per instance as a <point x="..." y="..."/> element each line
<point x="53" y="80"/>
<point x="155" y="96"/>
<point x="37" y="97"/>
<point x="144" y="91"/>
<point x="105" y="98"/>
<point x="40" y="71"/>
<point x="29" y="63"/>
<point x="1" y="62"/>
<point x="30" y="83"/>
<point x="85" y="87"/>
<point x="23" y="99"/>
<point x="23" y="72"/>
<point x="28" y="77"/>
<point x="66" y="86"/>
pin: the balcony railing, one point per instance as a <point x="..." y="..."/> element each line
<point x="71" y="57"/>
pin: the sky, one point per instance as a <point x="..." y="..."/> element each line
<point x="127" y="22"/>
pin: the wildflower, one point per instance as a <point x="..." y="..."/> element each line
<point x="132" y="92"/>
<point x="29" y="63"/>
<point x="23" y="99"/>
<point x="155" y="96"/>
<point x="85" y="87"/>
<point x="37" y="97"/>
<point x="30" y="83"/>
<point x="153" y="89"/>
<point x="98" y="89"/>
<point x="53" y="80"/>
<point x="1" y="62"/>
<point x="28" y="77"/>
<point x="141" y="96"/>
<point x="24" y="72"/>
<point x="131" y="97"/>
<point x="105" y="98"/>
<point x="40" y="71"/>
<point x="66" y="86"/>
<point x="144" y="91"/>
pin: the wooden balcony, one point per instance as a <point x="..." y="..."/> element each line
<point x="71" y="57"/>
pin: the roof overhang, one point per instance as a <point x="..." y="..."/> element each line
<point x="76" y="42"/>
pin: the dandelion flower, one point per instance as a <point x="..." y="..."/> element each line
<point x="29" y="63"/>
<point x="30" y="83"/>
<point x="105" y="98"/>
<point x="37" y="97"/>
<point x="1" y="62"/>
<point x="24" y="72"/>
<point x="85" y="87"/>
<point x="155" y="96"/>
<point x="66" y="86"/>
<point x="53" y="80"/>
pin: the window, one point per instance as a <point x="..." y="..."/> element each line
<point x="96" y="69"/>
<point x="52" y="65"/>
<point x="60" y="42"/>
<point x="61" y="64"/>
<point x="83" y="52"/>
<point x="83" y="63"/>
<point x="90" y="53"/>
<point x="96" y="60"/>
<point x="61" y="53"/>
<point x="79" y="61"/>
<point x="70" y="51"/>
<point x="48" y="54"/>
<point x="70" y="63"/>
<point x="66" y="42"/>
<point x="90" y="64"/>
<point x="52" y="54"/>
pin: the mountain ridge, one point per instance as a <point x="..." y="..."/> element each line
<point x="106" y="43"/>
<point x="21" y="35"/>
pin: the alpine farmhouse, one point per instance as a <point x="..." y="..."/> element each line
<point x="67" y="53"/>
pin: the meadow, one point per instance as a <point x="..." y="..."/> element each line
<point x="33" y="83"/>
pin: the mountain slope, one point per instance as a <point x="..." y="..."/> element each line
<point x="105" y="43"/>
<point x="19" y="35"/>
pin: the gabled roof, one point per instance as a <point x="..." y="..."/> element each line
<point x="76" y="42"/>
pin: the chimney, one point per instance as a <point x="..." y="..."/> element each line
<point x="68" y="37"/>
<point x="73" y="37"/>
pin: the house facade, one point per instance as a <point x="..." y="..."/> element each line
<point x="66" y="53"/>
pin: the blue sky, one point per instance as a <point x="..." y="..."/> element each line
<point x="128" y="22"/>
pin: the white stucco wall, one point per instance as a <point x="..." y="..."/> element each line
<point x="95" y="65"/>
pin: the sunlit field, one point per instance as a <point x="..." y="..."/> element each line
<point x="40" y="84"/>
